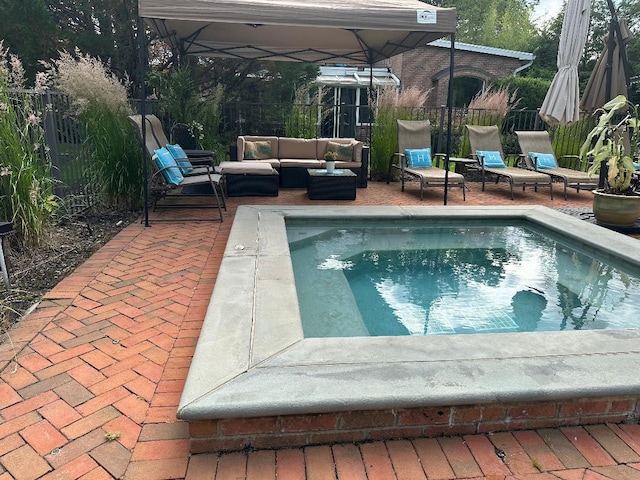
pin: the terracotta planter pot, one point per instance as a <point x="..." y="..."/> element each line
<point x="616" y="210"/>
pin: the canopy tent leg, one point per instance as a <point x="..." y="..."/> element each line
<point x="142" y="58"/>
<point x="449" y="115"/>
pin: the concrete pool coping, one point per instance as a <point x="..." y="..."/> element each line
<point x="251" y="358"/>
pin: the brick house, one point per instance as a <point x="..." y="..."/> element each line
<point x="428" y="67"/>
<point x="345" y="88"/>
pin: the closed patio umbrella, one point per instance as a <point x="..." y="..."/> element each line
<point x="595" y="94"/>
<point x="561" y="105"/>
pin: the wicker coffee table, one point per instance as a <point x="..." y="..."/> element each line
<point x="339" y="185"/>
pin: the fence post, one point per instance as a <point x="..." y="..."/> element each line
<point x="51" y="139"/>
<point x="440" y="129"/>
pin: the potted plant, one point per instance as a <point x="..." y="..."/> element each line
<point x="618" y="203"/>
<point x="330" y="160"/>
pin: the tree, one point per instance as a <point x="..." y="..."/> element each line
<point x="494" y="23"/>
<point x="29" y="32"/>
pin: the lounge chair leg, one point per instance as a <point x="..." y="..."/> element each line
<point x="464" y="195"/>
<point x="215" y="192"/>
<point x="565" y="190"/>
<point x="511" y="188"/>
<point x="421" y="188"/>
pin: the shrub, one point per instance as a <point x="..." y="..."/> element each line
<point x="100" y="102"/>
<point x="489" y="107"/>
<point x="392" y="105"/>
<point x="303" y="119"/>
<point x="26" y="197"/>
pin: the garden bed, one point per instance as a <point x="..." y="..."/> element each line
<point x="67" y="243"/>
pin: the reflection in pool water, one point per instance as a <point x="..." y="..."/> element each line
<point x="407" y="280"/>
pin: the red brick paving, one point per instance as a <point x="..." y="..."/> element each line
<point x="108" y="349"/>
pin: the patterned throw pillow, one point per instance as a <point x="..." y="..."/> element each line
<point x="180" y="157"/>
<point x="492" y="159"/>
<point x="260" y="150"/>
<point x="164" y="160"/>
<point x="344" y="151"/>
<point x="545" y="160"/>
<point x="418" y="157"/>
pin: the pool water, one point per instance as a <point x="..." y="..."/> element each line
<point x="415" y="279"/>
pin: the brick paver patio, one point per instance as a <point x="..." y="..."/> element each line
<point x="91" y="379"/>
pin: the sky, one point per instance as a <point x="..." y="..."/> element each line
<point x="546" y="10"/>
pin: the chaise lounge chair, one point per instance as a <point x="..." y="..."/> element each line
<point x="414" y="158"/>
<point x="487" y="148"/>
<point x="539" y="156"/>
<point x="174" y="181"/>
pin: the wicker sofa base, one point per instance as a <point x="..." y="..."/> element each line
<point x="241" y="185"/>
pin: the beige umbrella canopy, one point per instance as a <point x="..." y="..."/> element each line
<point x="561" y="105"/>
<point x="595" y="94"/>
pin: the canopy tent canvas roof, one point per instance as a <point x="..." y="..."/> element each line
<point x="316" y="31"/>
<point x="329" y="31"/>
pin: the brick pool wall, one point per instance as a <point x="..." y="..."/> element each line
<point x="361" y="426"/>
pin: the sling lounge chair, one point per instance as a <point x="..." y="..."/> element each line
<point x="414" y="158"/>
<point x="538" y="154"/>
<point x="168" y="179"/>
<point x="486" y="146"/>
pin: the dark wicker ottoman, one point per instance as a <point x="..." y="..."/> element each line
<point x="249" y="179"/>
<point x="340" y="185"/>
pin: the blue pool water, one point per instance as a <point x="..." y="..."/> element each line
<point x="411" y="279"/>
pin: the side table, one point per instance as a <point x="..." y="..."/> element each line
<point x="339" y="185"/>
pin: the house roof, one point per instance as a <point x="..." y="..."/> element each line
<point x="469" y="47"/>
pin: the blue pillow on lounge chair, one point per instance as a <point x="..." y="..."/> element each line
<point x="180" y="157"/>
<point x="492" y="159"/>
<point x="544" y="160"/>
<point x="164" y="160"/>
<point x="418" y="157"/>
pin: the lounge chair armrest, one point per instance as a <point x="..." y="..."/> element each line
<point x="572" y="160"/>
<point x="438" y="158"/>
<point x="518" y="159"/>
<point x="202" y="161"/>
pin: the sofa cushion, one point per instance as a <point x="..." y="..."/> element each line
<point x="357" y="147"/>
<point x="255" y="138"/>
<point x="344" y="150"/>
<point x="246" y="168"/>
<point x="259" y="150"/>
<point x="297" y="148"/>
<point x="300" y="163"/>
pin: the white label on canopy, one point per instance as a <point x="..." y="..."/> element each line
<point x="426" y="16"/>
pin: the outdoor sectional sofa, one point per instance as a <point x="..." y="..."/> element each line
<point x="291" y="157"/>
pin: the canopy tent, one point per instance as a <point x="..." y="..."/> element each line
<point x="336" y="31"/>
<point x="318" y="31"/>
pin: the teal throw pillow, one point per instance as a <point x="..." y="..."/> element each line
<point x="492" y="159"/>
<point x="636" y="165"/>
<point x="164" y="160"/>
<point x="418" y="157"/>
<point x="544" y="160"/>
<point x="180" y="157"/>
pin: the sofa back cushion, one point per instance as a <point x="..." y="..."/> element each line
<point x="297" y="148"/>
<point x="330" y="143"/>
<point x="242" y="146"/>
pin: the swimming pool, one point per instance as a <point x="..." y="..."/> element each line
<point x="252" y="359"/>
<point x="403" y="277"/>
